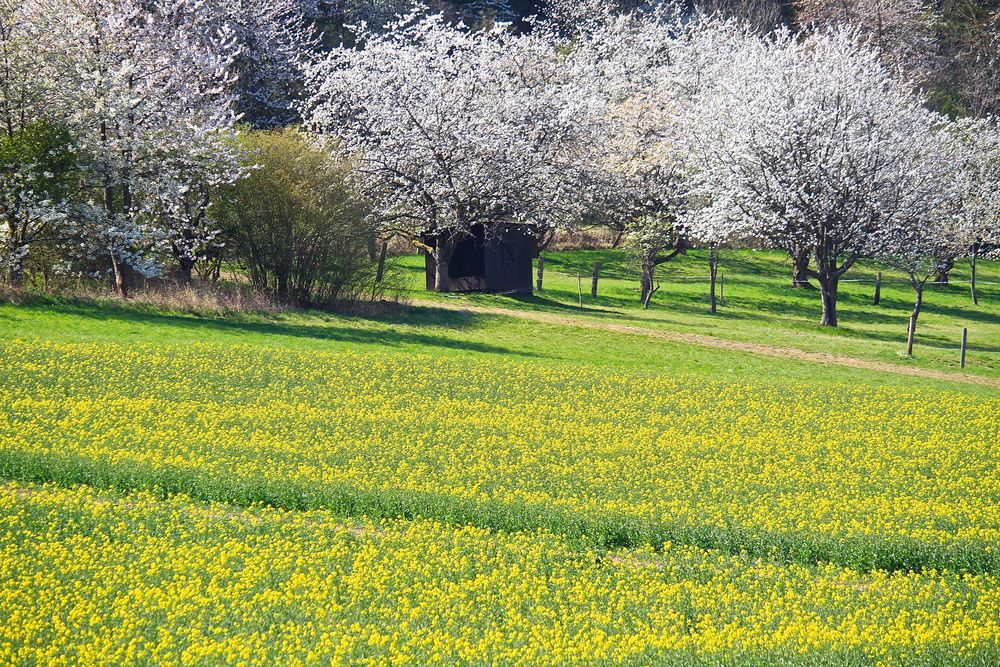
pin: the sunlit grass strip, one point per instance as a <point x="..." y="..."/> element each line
<point x="868" y="478"/>
<point x="87" y="576"/>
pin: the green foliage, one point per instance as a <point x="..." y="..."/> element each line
<point x="46" y="149"/>
<point x="37" y="171"/>
<point x="296" y="224"/>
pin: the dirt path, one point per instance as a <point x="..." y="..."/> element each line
<point x="720" y="343"/>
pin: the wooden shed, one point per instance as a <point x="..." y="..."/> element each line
<point x="498" y="259"/>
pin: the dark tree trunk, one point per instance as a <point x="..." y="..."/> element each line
<point x="15" y="275"/>
<point x="185" y="269"/>
<point x="650" y="260"/>
<point x="372" y="249"/>
<point x="443" y="251"/>
<point x="713" y="269"/>
<point x="800" y="267"/>
<point x="646" y="280"/>
<point x="380" y="269"/>
<point x="941" y="275"/>
<point x="828" y="274"/>
<point x="913" y="320"/>
<point x="972" y="262"/>
<point x="618" y="238"/>
<point x="828" y="285"/>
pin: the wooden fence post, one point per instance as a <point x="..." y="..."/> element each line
<point x="965" y="344"/>
<point x="593" y="282"/>
<point x="878" y="287"/>
<point x="541" y="271"/>
<point x="579" y="287"/>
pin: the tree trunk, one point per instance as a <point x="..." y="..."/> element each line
<point x="913" y="320"/>
<point x="941" y="275"/>
<point x="713" y="269"/>
<point x="443" y="251"/>
<point x="380" y="269"/>
<point x="121" y="283"/>
<point x="800" y="267"/>
<point x="281" y="283"/>
<point x="185" y="268"/>
<point x="972" y="262"/>
<point x="828" y="292"/>
<point x="15" y="275"/>
<point x="372" y="249"/>
<point x="646" y="279"/>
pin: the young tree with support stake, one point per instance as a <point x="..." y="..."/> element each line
<point x="455" y="129"/>
<point x="925" y="239"/>
<point x="816" y="143"/>
<point x="979" y="178"/>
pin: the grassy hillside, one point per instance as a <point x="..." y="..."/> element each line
<point x="438" y="485"/>
<point x="761" y="306"/>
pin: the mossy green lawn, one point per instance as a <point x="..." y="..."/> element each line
<point x="761" y="306"/>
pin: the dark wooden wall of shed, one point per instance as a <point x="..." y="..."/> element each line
<point x="508" y="258"/>
<point x="500" y="261"/>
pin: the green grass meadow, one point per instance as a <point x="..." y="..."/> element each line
<point x="435" y="484"/>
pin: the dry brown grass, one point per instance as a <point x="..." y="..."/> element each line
<point x="205" y="299"/>
<point x="198" y="299"/>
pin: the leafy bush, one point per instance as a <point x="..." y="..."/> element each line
<point x="296" y="225"/>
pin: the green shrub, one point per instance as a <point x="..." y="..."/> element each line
<point x="296" y="225"/>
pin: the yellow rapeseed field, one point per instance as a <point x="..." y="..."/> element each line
<point x="90" y="577"/>
<point x="884" y="478"/>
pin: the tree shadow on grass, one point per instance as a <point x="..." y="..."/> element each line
<point x="802" y="314"/>
<point x="541" y="303"/>
<point x="336" y="328"/>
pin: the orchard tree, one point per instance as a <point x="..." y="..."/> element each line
<point x="142" y="87"/>
<point x="979" y="185"/>
<point x="925" y="238"/>
<point x="815" y="142"/>
<point x="635" y="176"/>
<point x="920" y="250"/>
<point x="644" y="70"/>
<point x="453" y="128"/>
<point x="37" y="175"/>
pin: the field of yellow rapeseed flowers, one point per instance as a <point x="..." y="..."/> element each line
<point x="93" y="577"/>
<point x="867" y="478"/>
